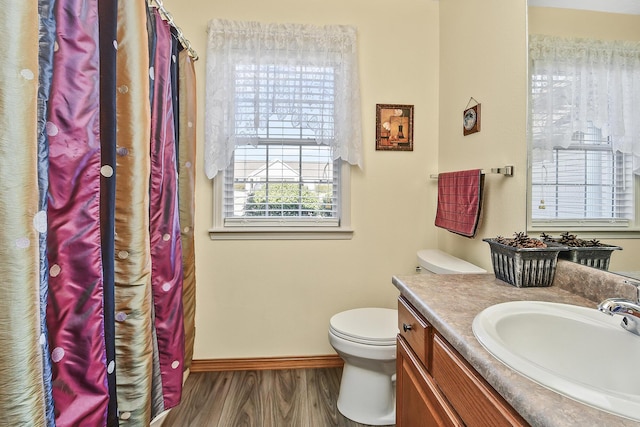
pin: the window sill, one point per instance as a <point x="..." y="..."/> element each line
<point x="283" y="233"/>
<point x="587" y="232"/>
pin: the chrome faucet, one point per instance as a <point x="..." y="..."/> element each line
<point x="629" y="310"/>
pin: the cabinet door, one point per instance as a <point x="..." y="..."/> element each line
<point x="419" y="402"/>
<point x="474" y="399"/>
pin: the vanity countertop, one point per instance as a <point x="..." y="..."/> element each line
<point x="450" y="303"/>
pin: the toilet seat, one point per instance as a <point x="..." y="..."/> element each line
<point x="370" y="326"/>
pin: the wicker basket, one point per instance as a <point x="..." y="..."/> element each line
<point x="524" y="267"/>
<point x="595" y="256"/>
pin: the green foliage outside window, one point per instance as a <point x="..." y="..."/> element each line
<point x="286" y="199"/>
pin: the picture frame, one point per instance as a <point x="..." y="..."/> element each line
<point x="394" y="127"/>
<point x="471" y="120"/>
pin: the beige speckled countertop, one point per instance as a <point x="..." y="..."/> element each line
<point x="450" y="303"/>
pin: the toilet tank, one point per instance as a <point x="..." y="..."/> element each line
<point x="436" y="261"/>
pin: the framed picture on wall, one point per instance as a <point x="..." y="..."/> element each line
<point x="394" y="127"/>
<point x="471" y="120"/>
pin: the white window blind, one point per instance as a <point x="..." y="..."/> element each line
<point x="284" y="178"/>
<point x="282" y="182"/>
<point x="276" y="100"/>
<point x="584" y="184"/>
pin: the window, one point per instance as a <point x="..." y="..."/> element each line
<point x="581" y="149"/>
<point x="585" y="184"/>
<point x="282" y="128"/>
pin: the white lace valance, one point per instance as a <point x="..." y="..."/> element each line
<point x="324" y="101"/>
<point x="576" y="50"/>
<point x="582" y="83"/>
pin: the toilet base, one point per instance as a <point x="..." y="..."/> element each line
<point x="367" y="397"/>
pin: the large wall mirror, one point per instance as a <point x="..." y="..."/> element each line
<point x="585" y="145"/>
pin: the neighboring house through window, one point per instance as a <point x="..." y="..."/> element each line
<point x="282" y="126"/>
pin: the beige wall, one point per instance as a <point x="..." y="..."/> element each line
<point x="582" y="23"/>
<point x="597" y="25"/>
<point x="275" y="298"/>
<point x="483" y="55"/>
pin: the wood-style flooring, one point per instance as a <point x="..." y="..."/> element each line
<point x="269" y="398"/>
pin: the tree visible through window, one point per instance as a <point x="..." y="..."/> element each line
<point x="284" y="199"/>
<point x="283" y="179"/>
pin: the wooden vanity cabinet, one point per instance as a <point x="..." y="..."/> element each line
<point x="419" y="401"/>
<point x="436" y="386"/>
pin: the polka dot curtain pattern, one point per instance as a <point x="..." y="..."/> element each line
<point x="97" y="297"/>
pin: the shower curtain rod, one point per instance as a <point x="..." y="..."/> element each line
<point x="166" y="15"/>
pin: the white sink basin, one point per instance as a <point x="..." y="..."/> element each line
<point x="576" y="351"/>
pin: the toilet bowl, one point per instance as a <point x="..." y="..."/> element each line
<point x="365" y="339"/>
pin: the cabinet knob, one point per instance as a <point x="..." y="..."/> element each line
<point x="406" y="327"/>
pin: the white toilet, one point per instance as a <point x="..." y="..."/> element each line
<point x="365" y="338"/>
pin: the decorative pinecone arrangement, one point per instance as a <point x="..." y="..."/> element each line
<point x="521" y="240"/>
<point x="572" y="240"/>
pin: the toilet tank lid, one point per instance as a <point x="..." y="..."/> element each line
<point x="440" y="262"/>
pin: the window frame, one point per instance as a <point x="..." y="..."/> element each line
<point x="596" y="228"/>
<point x="323" y="79"/>
<point x="587" y="143"/>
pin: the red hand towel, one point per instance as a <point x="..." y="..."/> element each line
<point x="460" y="201"/>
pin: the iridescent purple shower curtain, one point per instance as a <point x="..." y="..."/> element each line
<point x="46" y="47"/>
<point x="76" y="282"/>
<point x="134" y="344"/>
<point x="91" y="301"/>
<point x="166" y="246"/>
<point x="186" y="183"/>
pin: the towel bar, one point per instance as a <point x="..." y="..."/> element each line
<point x="506" y="171"/>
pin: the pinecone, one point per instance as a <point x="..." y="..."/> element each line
<point x="573" y="241"/>
<point x="521" y="240"/>
<point x="546" y="238"/>
<point x="593" y="243"/>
